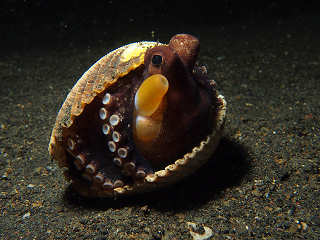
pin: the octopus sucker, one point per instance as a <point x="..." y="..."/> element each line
<point x="142" y="117"/>
<point x="103" y="113"/>
<point x="105" y="129"/>
<point x="80" y="161"/>
<point x="99" y="178"/>
<point x="106" y="99"/>
<point x="114" y="120"/>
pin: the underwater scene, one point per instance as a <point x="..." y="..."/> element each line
<point x="159" y="120"/>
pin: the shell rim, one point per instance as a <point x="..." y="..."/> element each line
<point x="171" y="173"/>
<point x="181" y="167"/>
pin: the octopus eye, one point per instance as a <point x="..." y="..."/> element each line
<point x="156" y="60"/>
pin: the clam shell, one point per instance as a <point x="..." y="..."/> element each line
<point x="103" y="74"/>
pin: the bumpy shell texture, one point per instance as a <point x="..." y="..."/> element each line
<point x="142" y="117"/>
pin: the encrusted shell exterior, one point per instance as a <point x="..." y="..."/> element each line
<point x="98" y="78"/>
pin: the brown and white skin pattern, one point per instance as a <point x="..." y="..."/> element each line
<point x="96" y="138"/>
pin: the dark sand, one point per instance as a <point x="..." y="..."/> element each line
<point x="262" y="183"/>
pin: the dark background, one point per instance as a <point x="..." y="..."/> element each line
<point x="26" y="24"/>
<point x="263" y="182"/>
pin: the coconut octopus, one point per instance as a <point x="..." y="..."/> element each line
<point x="142" y="117"/>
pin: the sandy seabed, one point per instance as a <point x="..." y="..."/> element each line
<point x="262" y="183"/>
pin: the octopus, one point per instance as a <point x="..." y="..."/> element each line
<point x="142" y="117"/>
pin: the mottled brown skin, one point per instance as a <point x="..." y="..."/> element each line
<point x="187" y="117"/>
